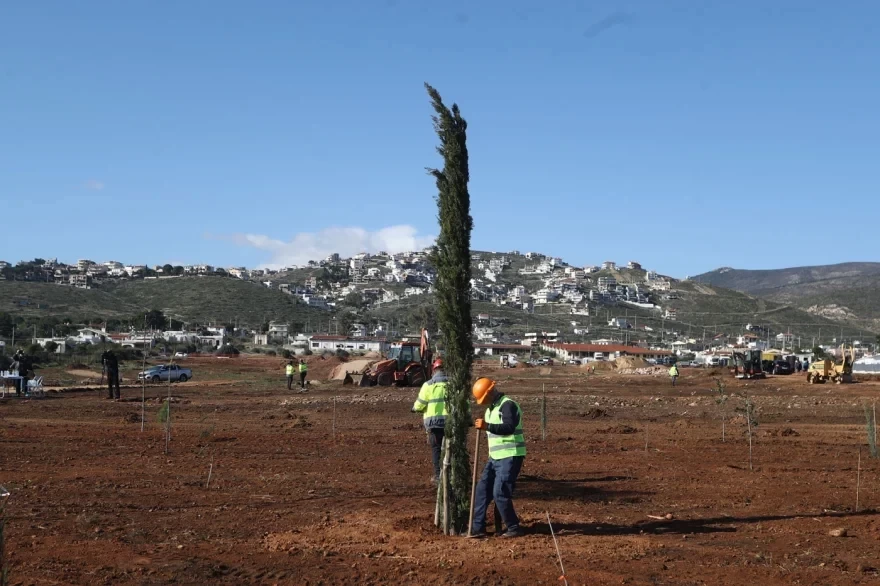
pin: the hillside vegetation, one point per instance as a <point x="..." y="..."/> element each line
<point x="848" y="292"/>
<point x="189" y="299"/>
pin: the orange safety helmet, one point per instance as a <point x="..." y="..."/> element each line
<point x="437" y="363"/>
<point x="482" y="388"/>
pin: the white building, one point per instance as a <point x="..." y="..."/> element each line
<point x="609" y="265"/>
<point x="320" y="343"/>
<point x="83" y="265"/>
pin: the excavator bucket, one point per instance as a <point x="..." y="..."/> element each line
<point x="354" y="378"/>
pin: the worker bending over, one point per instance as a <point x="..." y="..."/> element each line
<point x="431" y="403"/>
<point x="507" y="451"/>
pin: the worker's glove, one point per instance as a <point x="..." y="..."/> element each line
<point x="413" y="411"/>
<point x="481" y="424"/>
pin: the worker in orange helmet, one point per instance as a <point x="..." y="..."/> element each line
<point x="431" y="403"/>
<point x="507" y="450"/>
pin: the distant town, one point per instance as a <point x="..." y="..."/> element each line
<point x="513" y="280"/>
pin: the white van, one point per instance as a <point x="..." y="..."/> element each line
<point x="599" y="356"/>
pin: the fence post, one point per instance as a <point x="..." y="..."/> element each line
<point x="543" y="413"/>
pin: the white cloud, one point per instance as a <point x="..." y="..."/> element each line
<point x="94" y="185"/>
<point x="346" y="241"/>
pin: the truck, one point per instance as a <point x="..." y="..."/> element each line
<point x="164" y="372"/>
<point x="748" y="365"/>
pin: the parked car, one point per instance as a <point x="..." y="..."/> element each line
<point x="163" y="372"/>
<point x="574" y="361"/>
<point x="180" y="354"/>
<point x="782" y="367"/>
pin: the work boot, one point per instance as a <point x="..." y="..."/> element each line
<point x="517" y="532"/>
<point x="476" y="535"/>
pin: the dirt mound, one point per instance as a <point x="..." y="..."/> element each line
<point x="359" y="366"/>
<point x="593" y="413"/>
<point x="131" y="418"/>
<point x="631" y="362"/>
<point x="623" y="429"/>
<point x="372" y="355"/>
<point x="83" y="373"/>
<point x="789" y="432"/>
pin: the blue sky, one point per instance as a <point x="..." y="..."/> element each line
<point x="685" y="135"/>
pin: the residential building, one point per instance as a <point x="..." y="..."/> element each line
<point x="670" y="313"/>
<point x="81" y="281"/>
<point x="83" y="265"/>
<point x="60" y="344"/>
<point x="495" y="349"/>
<point x="633" y="265"/>
<point x="278" y="332"/>
<point x="588" y="351"/>
<point x="312" y="283"/>
<point x="619" y="322"/>
<point x="609" y="265"/>
<point x="319" y="343"/>
<point x="333" y="258"/>
<point x="606" y="284"/>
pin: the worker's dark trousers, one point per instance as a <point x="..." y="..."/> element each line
<point x="497" y="483"/>
<point x="289" y="381"/>
<point x="112" y="379"/>
<point x="673" y="380"/>
<point x="435" y="440"/>
<point x="302" y="379"/>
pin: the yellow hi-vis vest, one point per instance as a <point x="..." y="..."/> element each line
<point x="303" y="367"/>
<point x="505" y="446"/>
<point x="289" y="370"/>
<point x="431" y="403"/>
<point x="673" y="370"/>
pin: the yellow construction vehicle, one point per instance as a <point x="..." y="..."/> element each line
<point x="822" y="371"/>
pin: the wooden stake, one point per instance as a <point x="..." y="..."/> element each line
<point x="474" y="483"/>
<point x="440" y="485"/>
<point x="447" y="522"/>
<point x="334" y="419"/>
<point x="210" y="470"/>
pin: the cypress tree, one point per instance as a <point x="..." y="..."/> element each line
<point x="453" y="293"/>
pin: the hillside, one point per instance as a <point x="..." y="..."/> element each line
<point x="848" y="291"/>
<point x="191" y="299"/>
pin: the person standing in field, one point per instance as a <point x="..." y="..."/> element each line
<point x="111" y="366"/>
<point x="303" y="369"/>
<point x="673" y="373"/>
<point x="507" y="452"/>
<point x="431" y="403"/>
<point x="289" y="370"/>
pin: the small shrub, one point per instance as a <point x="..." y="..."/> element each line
<point x="308" y="352"/>
<point x="258" y="350"/>
<point x="342" y="354"/>
<point x="286" y="353"/>
<point x="271" y="353"/>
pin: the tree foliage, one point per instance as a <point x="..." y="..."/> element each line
<point x="453" y="293"/>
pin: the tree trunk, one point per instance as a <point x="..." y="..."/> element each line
<point x="452" y="257"/>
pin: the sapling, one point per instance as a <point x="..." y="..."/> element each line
<point x="721" y="400"/>
<point x="749" y="412"/>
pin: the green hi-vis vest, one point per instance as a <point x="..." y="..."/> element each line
<point x="505" y="446"/>
<point x="303" y="367"/>
<point x="289" y="370"/>
<point x="431" y="403"/>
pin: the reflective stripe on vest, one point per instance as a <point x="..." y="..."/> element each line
<point x="303" y="367"/>
<point x="431" y="403"/>
<point x="289" y="370"/>
<point x="505" y="446"/>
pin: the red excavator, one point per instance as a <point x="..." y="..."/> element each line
<point x="408" y="365"/>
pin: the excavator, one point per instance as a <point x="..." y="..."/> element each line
<point x="747" y="365"/>
<point x="408" y="365"/>
<point x="822" y="371"/>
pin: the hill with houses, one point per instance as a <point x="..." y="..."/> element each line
<point x="516" y="297"/>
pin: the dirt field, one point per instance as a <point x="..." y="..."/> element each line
<point x="295" y="498"/>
